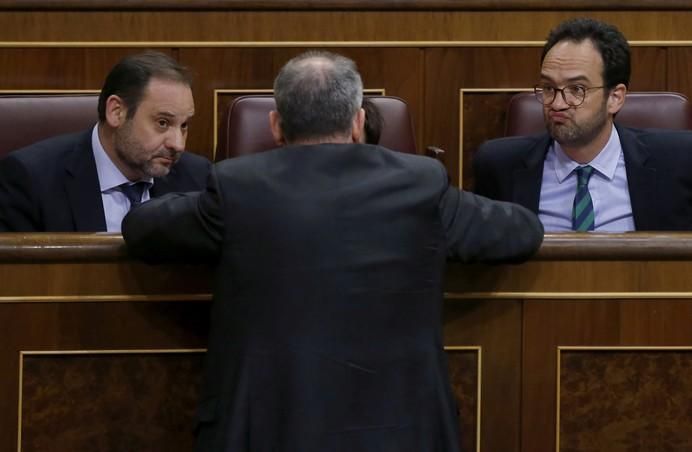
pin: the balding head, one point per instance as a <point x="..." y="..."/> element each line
<point x="318" y="96"/>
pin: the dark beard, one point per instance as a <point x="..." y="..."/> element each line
<point x="127" y="149"/>
<point x="577" y="135"/>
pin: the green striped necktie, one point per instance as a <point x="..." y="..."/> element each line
<point x="582" y="211"/>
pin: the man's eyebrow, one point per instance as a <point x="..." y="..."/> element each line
<point x="578" y="78"/>
<point x="171" y="115"/>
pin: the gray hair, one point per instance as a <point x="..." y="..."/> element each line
<point x="317" y="94"/>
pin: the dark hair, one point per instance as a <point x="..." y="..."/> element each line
<point x="374" y="122"/>
<point x="129" y="78"/>
<point x="317" y="95"/>
<point x="606" y="38"/>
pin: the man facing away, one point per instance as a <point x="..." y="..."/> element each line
<point x="326" y="323"/>
<point x="587" y="173"/>
<point x="88" y="181"/>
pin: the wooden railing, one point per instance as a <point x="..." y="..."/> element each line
<point x="97" y="347"/>
<point x="351" y="5"/>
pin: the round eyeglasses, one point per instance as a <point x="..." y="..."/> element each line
<point x="573" y="95"/>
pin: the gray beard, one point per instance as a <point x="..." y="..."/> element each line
<point x="145" y="168"/>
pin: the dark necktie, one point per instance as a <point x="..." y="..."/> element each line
<point x="134" y="192"/>
<point x="582" y="211"/>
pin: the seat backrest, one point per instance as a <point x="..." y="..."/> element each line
<point x="245" y="126"/>
<point x="642" y="110"/>
<point x="28" y="118"/>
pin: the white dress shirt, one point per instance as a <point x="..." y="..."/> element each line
<point x="115" y="203"/>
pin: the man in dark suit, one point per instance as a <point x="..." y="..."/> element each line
<point x="326" y="323"/>
<point x="587" y="174"/>
<point x="88" y="181"/>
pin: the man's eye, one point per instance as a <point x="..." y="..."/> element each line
<point x="183" y="126"/>
<point x="163" y="123"/>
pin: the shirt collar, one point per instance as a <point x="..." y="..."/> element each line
<point x="605" y="162"/>
<point x="109" y="175"/>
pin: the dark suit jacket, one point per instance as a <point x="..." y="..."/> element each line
<point x="326" y="323"/>
<point x="658" y="165"/>
<point x="53" y="185"/>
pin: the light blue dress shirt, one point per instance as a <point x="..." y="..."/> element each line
<point x="115" y="203"/>
<point x="608" y="187"/>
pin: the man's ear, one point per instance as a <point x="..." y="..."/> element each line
<point x="358" y="127"/>
<point x="616" y="98"/>
<point x="116" y="111"/>
<point x="275" y="125"/>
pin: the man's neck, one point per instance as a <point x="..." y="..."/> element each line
<point x="336" y="139"/>
<point x="586" y="153"/>
<point x="107" y="138"/>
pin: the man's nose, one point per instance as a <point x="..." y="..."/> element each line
<point x="559" y="101"/>
<point x="176" y="139"/>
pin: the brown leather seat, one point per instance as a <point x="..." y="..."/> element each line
<point x="658" y="110"/>
<point x="26" y="119"/>
<point x="245" y="126"/>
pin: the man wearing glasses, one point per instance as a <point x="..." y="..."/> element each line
<point x="586" y="173"/>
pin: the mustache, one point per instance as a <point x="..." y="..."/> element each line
<point x="171" y="154"/>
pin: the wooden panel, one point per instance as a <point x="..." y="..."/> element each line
<point x="449" y="70"/>
<point x="86" y="401"/>
<point x="549" y="324"/>
<point x="464" y="376"/>
<point x="86" y="280"/>
<point x="649" y="69"/>
<point x="615" y="279"/>
<point x="237" y="69"/>
<point x="63" y="68"/>
<point x="87" y="326"/>
<point x="496" y="328"/>
<point x="343" y="4"/>
<point x="622" y="400"/>
<point x="678" y="70"/>
<point x="320" y="26"/>
<point x="484" y="118"/>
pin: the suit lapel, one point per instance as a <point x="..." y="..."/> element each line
<point x="83" y="189"/>
<point x="527" y="179"/>
<point x="641" y="181"/>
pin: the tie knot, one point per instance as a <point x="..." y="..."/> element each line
<point x="134" y="192"/>
<point x="583" y="175"/>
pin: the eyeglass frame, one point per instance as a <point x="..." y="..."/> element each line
<point x="586" y="89"/>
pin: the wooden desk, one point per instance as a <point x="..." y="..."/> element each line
<point x="586" y="347"/>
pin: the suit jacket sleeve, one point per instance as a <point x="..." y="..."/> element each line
<point x="18" y="208"/>
<point x="177" y="226"/>
<point x="482" y="230"/>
